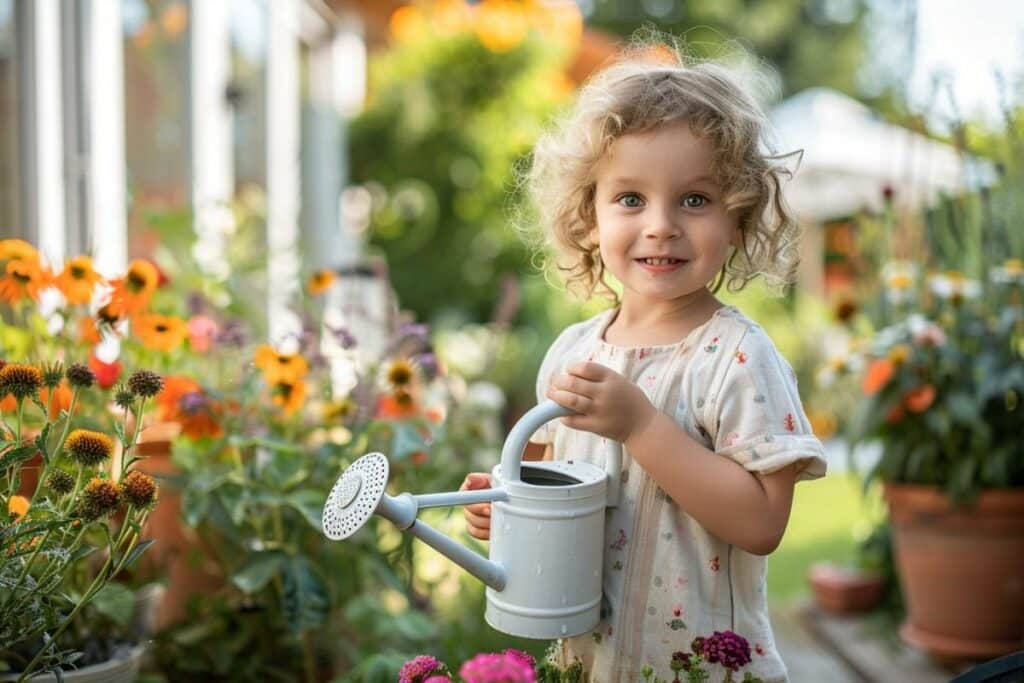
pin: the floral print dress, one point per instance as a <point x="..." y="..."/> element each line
<point x="666" y="580"/>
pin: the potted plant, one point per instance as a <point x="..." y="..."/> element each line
<point x="942" y="390"/>
<point x="63" y="546"/>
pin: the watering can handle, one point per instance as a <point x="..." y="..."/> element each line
<point x="539" y="415"/>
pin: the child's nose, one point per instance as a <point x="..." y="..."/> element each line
<point x="664" y="224"/>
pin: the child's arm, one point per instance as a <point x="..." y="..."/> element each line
<point x="749" y="510"/>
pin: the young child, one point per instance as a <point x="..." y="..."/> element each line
<point x="660" y="178"/>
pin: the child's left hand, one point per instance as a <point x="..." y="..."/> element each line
<point x="608" y="404"/>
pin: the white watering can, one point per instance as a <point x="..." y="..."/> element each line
<point x="547" y="530"/>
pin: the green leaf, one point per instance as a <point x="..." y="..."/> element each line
<point x="194" y="504"/>
<point x="963" y="408"/>
<point x="305" y="599"/>
<point x="41" y="442"/>
<point x="259" y="568"/>
<point x="116" y="602"/>
<point x="16" y="456"/>
<point x="310" y="505"/>
<point x="119" y="430"/>
<point x="137" y="551"/>
<point x="415" y="626"/>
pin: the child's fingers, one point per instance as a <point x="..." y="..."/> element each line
<point x="478" y="521"/>
<point x="475" y="481"/>
<point x="576" y="385"/>
<point x="588" y="370"/>
<point x="568" y="399"/>
<point x="479" y="509"/>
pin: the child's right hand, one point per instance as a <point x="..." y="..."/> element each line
<point x="478" y="515"/>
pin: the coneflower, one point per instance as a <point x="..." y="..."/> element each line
<point x="53" y="373"/>
<point x="100" y="498"/>
<point x="145" y="383"/>
<point x="60" y="482"/>
<point x="138" y="489"/>
<point x="123" y="397"/>
<point x="20" y="381"/>
<point x="89" y="448"/>
<point x="80" y="377"/>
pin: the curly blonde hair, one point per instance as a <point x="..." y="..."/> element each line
<point x="648" y="87"/>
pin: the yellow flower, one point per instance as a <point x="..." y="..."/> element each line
<point x="501" y="25"/>
<point x="160" y="332"/>
<point x="78" y="280"/>
<point x="280" y="367"/>
<point x="399" y="373"/>
<point x="320" y="281"/>
<point x="17" y="250"/>
<point x="17" y="506"/>
<point x="288" y="395"/>
<point x="899" y="354"/>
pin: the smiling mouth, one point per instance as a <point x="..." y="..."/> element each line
<point x="660" y="261"/>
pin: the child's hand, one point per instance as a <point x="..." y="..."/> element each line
<point x="608" y="404"/>
<point x="478" y="515"/>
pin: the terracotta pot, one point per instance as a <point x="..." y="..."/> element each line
<point x="961" y="570"/>
<point x="845" y="590"/>
<point x="177" y="557"/>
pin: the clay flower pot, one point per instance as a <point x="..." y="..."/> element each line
<point x="173" y="558"/>
<point x="845" y="590"/>
<point x="961" y="570"/>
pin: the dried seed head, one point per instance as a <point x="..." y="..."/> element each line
<point x="123" y="397"/>
<point x="145" y="383"/>
<point x="100" y="498"/>
<point x="80" y="377"/>
<point x="53" y="373"/>
<point x="60" y="482"/>
<point x="89" y="448"/>
<point x="138" y="489"/>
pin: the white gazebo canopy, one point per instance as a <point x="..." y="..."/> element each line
<point x="850" y="155"/>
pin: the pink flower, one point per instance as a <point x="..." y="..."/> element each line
<point x="496" y="668"/>
<point x="438" y="679"/>
<point x="418" y="669"/>
<point x="201" y="331"/>
<point x="520" y="656"/>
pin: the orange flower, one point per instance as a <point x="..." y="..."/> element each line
<point x="879" y="373"/>
<point x="920" y="399"/>
<point x="87" y="332"/>
<point x="397" y="405"/>
<point x="288" y="368"/>
<point x="61" y="399"/>
<point x="132" y="293"/>
<point x="17" y="250"/>
<point x="501" y="25"/>
<point x="320" y="281"/>
<point x="288" y="395"/>
<point x="78" y="280"/>
<point x="8" y="403"/>
<point x="17" y="506"/>
<point x="160" y="332"/>
<point x="22" y="279"/>
<point x="895" y="414"/>
<point x="183" y="400"/>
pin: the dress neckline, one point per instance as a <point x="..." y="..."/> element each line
<point x="610" y="315"/>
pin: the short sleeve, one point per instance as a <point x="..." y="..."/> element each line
<point x="757" y="415"/>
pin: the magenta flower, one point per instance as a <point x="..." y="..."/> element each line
<point x="495" y="668"/>
<point x="418" y="669"/>
<point x="438" y="679"/>
<point x="521" y="656"/>
<point x="726" y="648"/>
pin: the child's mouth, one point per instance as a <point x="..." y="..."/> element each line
<point x="660" y="265"/>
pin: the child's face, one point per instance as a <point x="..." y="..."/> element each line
<point x="655" y="200"/>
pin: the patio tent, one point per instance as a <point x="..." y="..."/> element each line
<point x="850" y="155"/>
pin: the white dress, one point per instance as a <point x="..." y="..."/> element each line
<point x="666" y="579"/>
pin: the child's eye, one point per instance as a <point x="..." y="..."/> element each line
<point x="695" y="201"/>
<point x="630" y="201"/>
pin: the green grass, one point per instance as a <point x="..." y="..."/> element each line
<point x="828" y="517"/>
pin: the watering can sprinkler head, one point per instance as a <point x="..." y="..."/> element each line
<point x="548" y="516"/>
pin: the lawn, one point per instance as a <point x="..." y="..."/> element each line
<point x="828" y="517"/>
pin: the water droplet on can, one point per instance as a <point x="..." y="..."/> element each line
<point x="565" y="629"/>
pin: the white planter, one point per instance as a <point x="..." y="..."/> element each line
<point x="124" y="669"/>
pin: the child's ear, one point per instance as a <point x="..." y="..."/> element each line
<point x="737" y="237"/>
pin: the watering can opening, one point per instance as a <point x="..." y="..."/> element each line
<point x="539" y="476"/>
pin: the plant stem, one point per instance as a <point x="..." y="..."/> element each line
<point x="308" y="657"/>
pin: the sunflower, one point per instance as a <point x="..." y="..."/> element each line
<point x="320" y="281"/>
<point x="22" y="279"/>
<point x="288" y="395"/>
<point x="133" y="292"/>
<point x="160" y="332"/>
<point x="78" y="280"/>
<point x="278" y="367"/>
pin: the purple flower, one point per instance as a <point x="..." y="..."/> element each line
<point x="418" y="669"/>
<point x="231" y="333"/>
<point x="728" y="649"/>
<point x="494" y="668"/>
<point x="681" y="661"/>
<point x="341" y="335"/>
